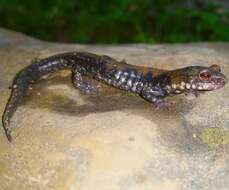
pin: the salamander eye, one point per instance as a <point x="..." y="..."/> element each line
<point x="205" y="75"/>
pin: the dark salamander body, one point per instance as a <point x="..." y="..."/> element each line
<point x="151" y="84"/>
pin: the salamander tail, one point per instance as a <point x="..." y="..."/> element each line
<point x="19" y="90"/>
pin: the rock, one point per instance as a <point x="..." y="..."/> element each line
<point x="114" y="140"/>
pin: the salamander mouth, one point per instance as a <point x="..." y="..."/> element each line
<point x="210" y="85"/>
<point x="197" y="85"/>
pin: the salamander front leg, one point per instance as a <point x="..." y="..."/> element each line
<point x="83" y="86"/>
<point x="156" y="96"/>
<point x="158" y="102"/>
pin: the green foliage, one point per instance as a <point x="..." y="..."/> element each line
<point x="117" y="21"/>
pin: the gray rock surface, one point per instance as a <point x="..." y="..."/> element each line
<point x="64" y="140"/>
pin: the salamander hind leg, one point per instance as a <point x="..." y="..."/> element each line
<point x="83" y="86"/>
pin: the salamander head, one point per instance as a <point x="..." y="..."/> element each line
<point x="197" y="78"/>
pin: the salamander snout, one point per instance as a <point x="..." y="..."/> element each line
<point x="209" y="79"/>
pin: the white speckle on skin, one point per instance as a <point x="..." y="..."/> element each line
<point x="132" y="75"/>
<point x="129" y="82"/>
<point x="182" y="83"/>
<point x="181" y="87"/>
<point x="122" y="79"/>
<point x="188" y="86"/>
<point x="177" y="91"/>
<point x="168" y="87"/>
<point x="14" y="86"/>
<point x="200" y="88"/>
<point x="117" y="75"/>
<point x="109" y="81"/>
<point x="193" y="86"/>
<point x="133" y="88"/>
<point x="174" y="86"/>
<point x="154" y="99"/>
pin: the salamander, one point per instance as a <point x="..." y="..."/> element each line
<point x="149" y="83"/>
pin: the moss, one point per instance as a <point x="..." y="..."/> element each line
<point x="215" y="137"/>
<point x="132" y="94"/>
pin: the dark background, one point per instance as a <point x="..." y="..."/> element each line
<point x="118" y="21"/>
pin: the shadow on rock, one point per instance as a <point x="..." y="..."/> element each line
<point x="174" y="131"/>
